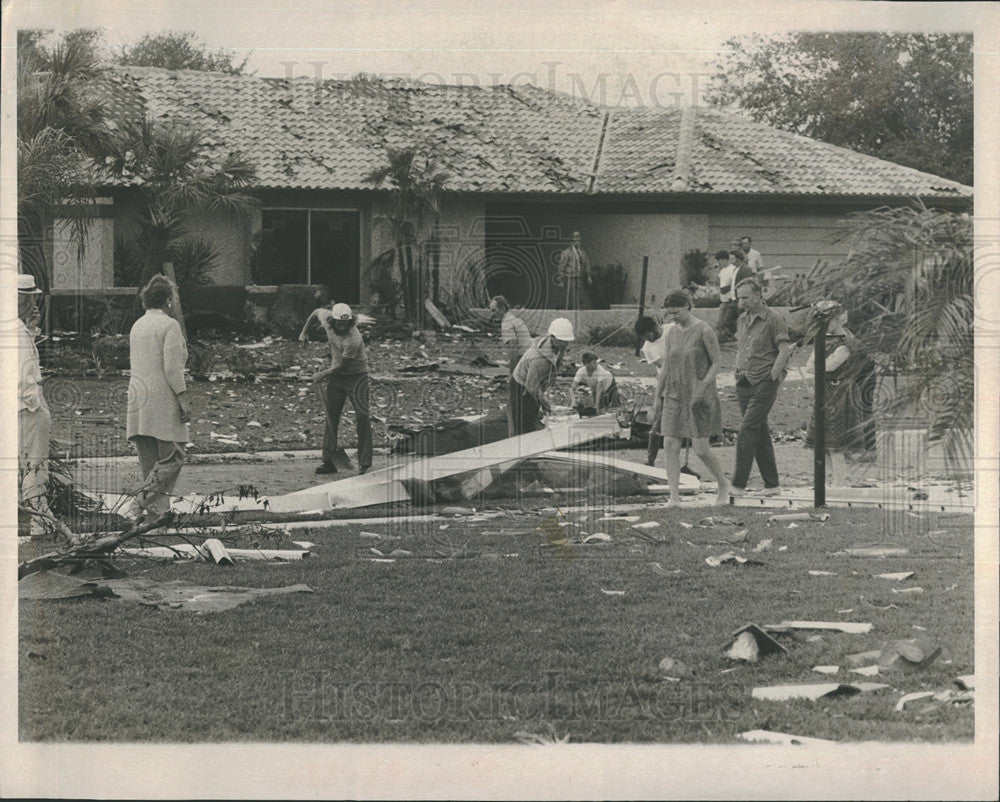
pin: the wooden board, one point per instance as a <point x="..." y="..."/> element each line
<point x="470" y="460"/>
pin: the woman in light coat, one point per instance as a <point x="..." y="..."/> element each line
<point x="157" y="407"/>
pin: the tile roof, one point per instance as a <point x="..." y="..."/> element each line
<point x="304" y="134"/>
<point x="329" y="135"/>
<point x="648" y="151"/>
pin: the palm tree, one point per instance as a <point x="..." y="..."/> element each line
<point x="909" y="286"/>
<point x="414" y="211"/>
<point x="167" y="165"/>
<point x="61" y="125"/>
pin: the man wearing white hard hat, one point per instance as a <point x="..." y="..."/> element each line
<point x="347" y="377"/>
<point x="533" y="374"/>
<point x="34" y="421"/>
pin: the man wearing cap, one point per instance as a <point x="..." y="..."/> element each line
<point x="533" y="374"/>
<point x="347" y="377"/>
<point x="33" y="419"/>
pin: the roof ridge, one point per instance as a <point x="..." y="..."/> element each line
<point x="840" y="149"/>
<point x="685" y="144"/>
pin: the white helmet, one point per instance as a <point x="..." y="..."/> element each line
<point x="342" y="312"/>
<point x="561" y="329"/>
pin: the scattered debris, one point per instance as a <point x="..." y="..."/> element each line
<point x="781" y="738"/>
<point x="947" y="696"/>
<point x="836" y="626"/>
<point x="217" y="551"/>
<point x="966" y="683"/>
<point x="867" y="671"/>
<point x="731" y="558"/>
<point x="719" y="521"/>
<point x="826" y="669"/>
<point x="672" y="669"/>
<point x="54" y="585"/>
<point x="822" y="573"/>
<point x="188" y="551"/>
<point x="597" y="537"/>
<point x="663" y="571"/>
<point x="646" y="525"/>
<point x="902" y="575"/>
<point x="908" y="656"/>
<point x="784" y="693"/>
<point x="821" y="517"/>
<point x="911" y="589"/>
<point x="550" y="738"/>
<point x="871" y="551"/>
<point x="750" y="643"/>
<point x="607" y="592"/>
<point x="621" y="517"/>
<point x="764" y="545"/>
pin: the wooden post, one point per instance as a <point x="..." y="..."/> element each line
<point x="642" y="299"/>
<point x="819" y="422"/>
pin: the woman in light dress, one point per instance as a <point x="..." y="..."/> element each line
<point x="686" y="398"/>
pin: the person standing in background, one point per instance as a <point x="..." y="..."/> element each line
<point x="34" y="421"/>
<point x="732" y="274"/>
<point x="753" y="258"/>
<point x="574" y="270"/>
<point x="157" y="415"/>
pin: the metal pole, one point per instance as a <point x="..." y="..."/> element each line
<point x="819" y="422"/>
<point x="642" y="299"/>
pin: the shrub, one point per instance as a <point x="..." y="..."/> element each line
<point x="193" y="260"/>
<point x="109" y="353"/>
<point x="694" y="263"/>
<point x="128" y="261"/>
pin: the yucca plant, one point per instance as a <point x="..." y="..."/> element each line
<point x="908" y="285"/>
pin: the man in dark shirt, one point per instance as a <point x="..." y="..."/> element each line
<point x="762" y="350"/>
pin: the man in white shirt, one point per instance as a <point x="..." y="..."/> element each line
<point x="594" y="388"/>
<point x="34" y="421"/>
<point x="754" y="260"/>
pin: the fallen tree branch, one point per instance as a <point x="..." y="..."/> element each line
<point x="97" y="548"/>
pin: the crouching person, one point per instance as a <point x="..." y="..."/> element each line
<point x="157" y="415"/>
<point x="533" y="375"/>
<point x="594" y="388"/>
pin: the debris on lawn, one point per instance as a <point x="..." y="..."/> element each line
<point x="597" y="537"/>
<point x="908" y="656"/>
<point x="911" y="589"/>
<point x="612" y="592"/>
<point x="731" y="558"/>
<point x="901" y="576"/>
<point x="853" y="628"/>
<point x="646" y="525"/>
<point x="718" y="521"/>
<point x="550" y="738"/>
<point x="822" y="573"/>
<point x="826" y="669"/>
<point x="867" y="671"/>
<point x="671" y="669"/>
<point x="781" y="738"/>
<point x="947" y="696"/>
<point x="764" y="545"/>
<point x="659" y="569"/>
<point x="189" y="551"/>
<point x="966" y="683"/>
<point x="871" y="551"/>
<point x="784" y="693"/>
<point x="821" y="517"/>
<point x="750" y="643"/>
<point x="175" y="595"/>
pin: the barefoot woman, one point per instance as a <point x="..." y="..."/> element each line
<point x="686" y="396"/>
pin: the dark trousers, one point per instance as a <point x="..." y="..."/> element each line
<point x="725" y="326"/>
<point x="754" y="439"/>
<point x="524" y="410"/>
<point x="340" y="387"/>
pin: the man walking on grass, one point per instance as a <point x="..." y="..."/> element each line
<point x="347" y="377"/>
<point x="762" y="351"/>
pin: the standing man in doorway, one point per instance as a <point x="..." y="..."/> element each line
<point x="347" y="377"/>
<point x="763" y="347"/>
<point x="574" y="270"/>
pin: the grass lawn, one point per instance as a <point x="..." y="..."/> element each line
<point x="478" y="648"/>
